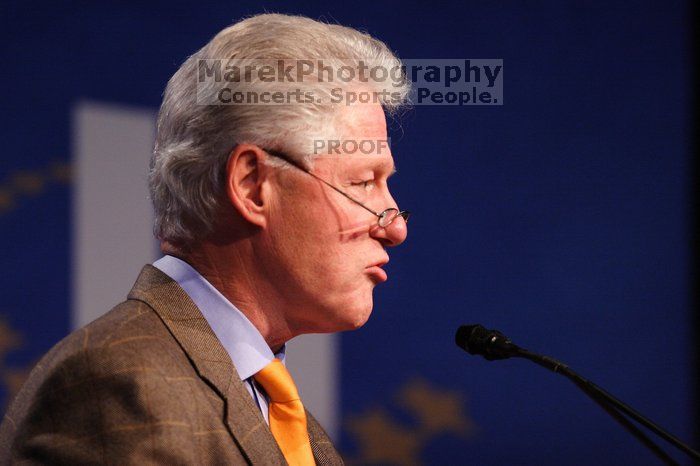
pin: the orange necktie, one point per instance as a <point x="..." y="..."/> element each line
<point x="286" y="414"/>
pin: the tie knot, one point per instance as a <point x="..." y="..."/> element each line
<point x="277" y="382"/>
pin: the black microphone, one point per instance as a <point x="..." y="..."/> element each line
<point x="493" y="345"/>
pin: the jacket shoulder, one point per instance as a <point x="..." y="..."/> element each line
<point x="111" y="389"/>
<point x="130" y="335"/>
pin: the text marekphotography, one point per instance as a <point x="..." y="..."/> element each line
<point x="350" y="82"/>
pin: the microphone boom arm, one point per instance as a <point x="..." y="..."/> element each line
<point x="611" y="405"/>
<point x="492" y="345"/>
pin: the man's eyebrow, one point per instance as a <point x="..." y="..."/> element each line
<point x="384" y="165"/>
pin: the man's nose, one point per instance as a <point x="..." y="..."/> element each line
<point x="393" y="234"/>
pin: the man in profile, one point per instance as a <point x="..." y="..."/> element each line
<point x="264" y="238"/>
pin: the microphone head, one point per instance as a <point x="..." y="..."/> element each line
<point x="491" y="344"/>
<point x="464" y="334"/>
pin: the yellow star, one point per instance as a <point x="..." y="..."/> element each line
<point x="383" y="441"/>
<point x="9" y="339"/>
<point x="7" y="201"/>
<point x="29" y="183"/>
<point x="61" y="172"/>
<point x="437" y="411"/>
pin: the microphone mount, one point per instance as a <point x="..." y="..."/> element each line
<point x="493" y="345"/>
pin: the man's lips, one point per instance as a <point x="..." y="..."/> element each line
<point x="377" y="272"/>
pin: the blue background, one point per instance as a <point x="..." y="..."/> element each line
<point x="561" y="218"/>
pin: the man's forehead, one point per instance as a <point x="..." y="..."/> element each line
<point x="381" y="163"/>
<point x="369" y="120"/>
<point x="360" y="141"/>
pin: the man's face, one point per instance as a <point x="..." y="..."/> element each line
<point x="328" y="251"/>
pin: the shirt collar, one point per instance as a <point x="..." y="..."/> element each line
<point x="243" y="342"/>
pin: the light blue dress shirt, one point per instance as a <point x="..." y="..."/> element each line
<point x="245" y="345"/>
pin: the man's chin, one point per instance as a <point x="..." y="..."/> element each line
<point x="346" y="320"/>
<point x="356" y="318"/>
<point x="358" y="322"/>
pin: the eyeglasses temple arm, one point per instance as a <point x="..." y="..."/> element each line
<point x="293" y="162"/>
<point x="344" y="194"/>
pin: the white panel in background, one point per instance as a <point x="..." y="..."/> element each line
<point x="112" y="239"/>
<point x="112" y="216"/>
<point x="313" y="362"/>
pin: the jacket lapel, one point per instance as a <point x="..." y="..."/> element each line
<point x="321" y="445"/>
<point x="210" y="360"/>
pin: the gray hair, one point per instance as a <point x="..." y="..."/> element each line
<point x="194" y="141"/>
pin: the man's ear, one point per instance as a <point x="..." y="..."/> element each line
<point x="246" y="176"/>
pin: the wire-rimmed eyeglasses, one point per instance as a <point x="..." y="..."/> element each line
<point x="384" y="218"/>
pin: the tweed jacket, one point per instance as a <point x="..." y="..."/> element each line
<point x="147" y="383"/>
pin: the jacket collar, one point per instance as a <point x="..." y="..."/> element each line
<point x="213" y="364"/>
<point x="210" y="360"/>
